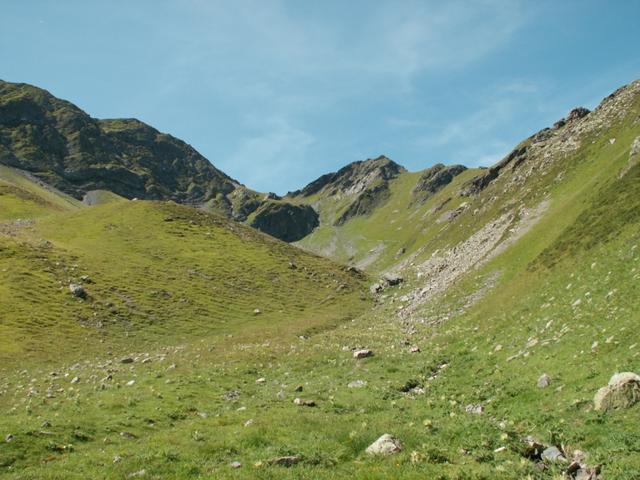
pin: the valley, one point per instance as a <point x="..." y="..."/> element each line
<point x="147" y="330"/>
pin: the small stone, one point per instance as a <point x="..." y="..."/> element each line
<point x="553" y="455"/>
<point x="9" y="438"/>
<point x="304" y="403"/>
<point x="385" y="445"/>
<point x="138" y="474"/>
<point x="544" y="381"/>
<point x="235" y="464"/>
<point x="130" y="383"/>
<point x="261" y="380"/>
<point x="257" y="311"/>
<point x="362" y="353"/>
<point x="357" y="384"/>
<point x="414" y="350"/>
<point x="75" y="379"/>
<point x="474" y="409"/>
<point x="126" y="360"/>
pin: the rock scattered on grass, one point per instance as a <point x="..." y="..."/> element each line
<point x="304" y="403"/>
<point x="387" y="444"/>
<point x="77" y="291"/>
<point x="357" y="384"/>
<point x="553" y="455"/>
<point x="623" y="391"/>
<point x="544" y="381"/>
<point x="362" y="353"/>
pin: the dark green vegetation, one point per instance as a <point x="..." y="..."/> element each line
<point x="532" y="268"/>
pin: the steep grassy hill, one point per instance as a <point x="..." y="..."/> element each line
<point x="519" y="301"/>
<point x="152" y="272"/>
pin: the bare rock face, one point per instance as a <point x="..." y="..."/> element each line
<point x="623" y="391"/>
<point x="385" y="445"/>
<point x="352" y="179"/>
<point x="578" y="113"/>
<point x="285" y="221"/>
<point x="434" y="179"/>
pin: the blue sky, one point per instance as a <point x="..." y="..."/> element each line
<point x="276" y="93"/>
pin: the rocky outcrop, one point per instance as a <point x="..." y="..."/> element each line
<point x="365" y="203"/>
<point x="433" y="180"/>
<point x="63" y="146"/>
<point x="353" y="179"/>
<point x="285" y="221"/>
<point x="479" y="183"/>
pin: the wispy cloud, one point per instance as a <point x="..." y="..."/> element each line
<point x="272" y="152"/>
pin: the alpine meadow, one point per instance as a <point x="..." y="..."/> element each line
<point x="159" y="319"/>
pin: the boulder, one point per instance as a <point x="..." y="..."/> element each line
<point x="623" y="391"/>
<point x="77" y="290"/>
<point x="392" y="279"/>
<point x="385" y="445"/>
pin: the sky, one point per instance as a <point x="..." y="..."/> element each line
<point x="276" y="93"/>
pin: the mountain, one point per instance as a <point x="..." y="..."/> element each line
<point x="61" y="145"/>
<point x="471" y="323"/>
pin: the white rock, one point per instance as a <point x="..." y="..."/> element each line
<point x="385" y="445"/>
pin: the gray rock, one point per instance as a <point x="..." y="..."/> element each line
<point x="235" y="465"/>
<point x="392" y="279"/>
<point x="304" y="403"/>
<point x="623" y="391"/>
<point x="362" y="353"/>
<point x="544" y="381"/>
<point x="77" y="290"/>
<point x="553" y="455"/>
<point x="9" y="438"/>
<point x="385" y="445"/>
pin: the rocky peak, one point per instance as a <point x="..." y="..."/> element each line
<point x="354" y="178"/>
